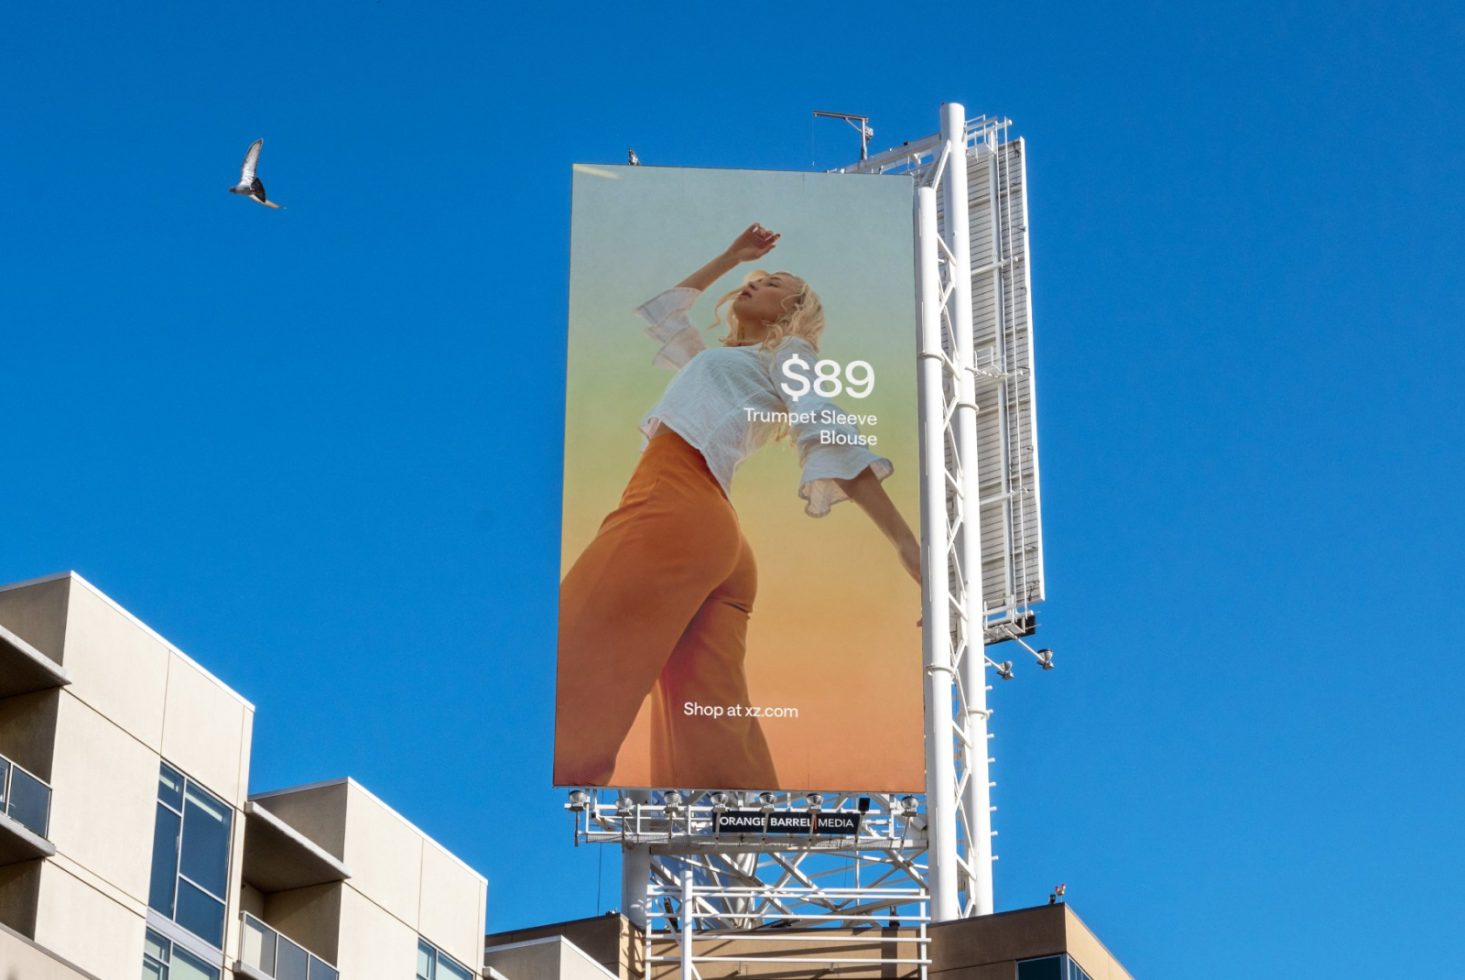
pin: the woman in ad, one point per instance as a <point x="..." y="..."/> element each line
<point x="659" y="601"/>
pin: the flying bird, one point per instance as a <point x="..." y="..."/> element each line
<point x="249" y="183"/>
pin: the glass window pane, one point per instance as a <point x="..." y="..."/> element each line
<point x="293" y="962"/>
<point x="205" y="856"/>
<point x="156" y="946"/>
<point x="153" y="970"/>
<point x="186" y="966"/>
<point x="1047" y="968"/>
<point x="170" y="787"/>
<point x="448" y="968"/>
<point x="30" y="801"/>
<point x="165" y="861"/>
<point x="319" y="971"/>
<point x="425" y="958"/>
<point x="200" y="914"/>
<point x="4" y="771"/>
<point x="257" y="946"/>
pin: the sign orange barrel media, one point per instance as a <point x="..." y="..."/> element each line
<point x="739" y="599"/>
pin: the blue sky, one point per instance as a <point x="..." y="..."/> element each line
<point x="319" y="449"/>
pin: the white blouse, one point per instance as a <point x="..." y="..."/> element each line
<point x="726" y="402"/>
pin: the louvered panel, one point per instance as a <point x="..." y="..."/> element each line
<point x="1010" y="517"/>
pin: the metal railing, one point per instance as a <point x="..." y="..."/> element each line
<point x="24" y="797"/>
<point x="271" y="954"/>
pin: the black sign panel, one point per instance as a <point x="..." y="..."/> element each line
<point x="785" y="822"/>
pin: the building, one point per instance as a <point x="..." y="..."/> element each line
<point x="1048" y="942"/>
<point x="131" y="846"/>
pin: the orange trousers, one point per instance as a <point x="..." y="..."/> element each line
<point x="658" y="604"/>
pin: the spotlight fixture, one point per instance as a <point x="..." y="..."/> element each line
<point x="910" y="805"/>
<point x="863" y="805"/>
<point x="766" y="802"/>
<point x="625" y="806"/>
<point x="815" y="801"/>
<point x="579" y="799"/>
<point x="1045" y="659"/>
<point x="1004" y="670"/>
<point x="719" y="802"/>
<point x="673" y="800"/>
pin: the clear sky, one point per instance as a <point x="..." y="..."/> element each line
<point x="319" y="448"/>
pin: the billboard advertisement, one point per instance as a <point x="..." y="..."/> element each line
<point x="740" y="597"/>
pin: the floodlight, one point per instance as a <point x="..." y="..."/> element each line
<point x="910" y="804"/>
<point x="1004" y="670"/>
<point x="579" y="799"/>
<point x="814" y="800"/>
<point x="719" y="801"/>
<point x="625" y="806"/>
<point x="766" y="802"/>
<point x="863" y="805"/>
<point x="672" y="798"/>
<point x="1045" y="659"/>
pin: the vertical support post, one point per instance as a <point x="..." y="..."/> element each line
<point x="636" y="871"/>
<point x="935" y="571"/>
<point x="687" y="908"/>
<point x="976" y="797"/>
<point x="635" y="876"/>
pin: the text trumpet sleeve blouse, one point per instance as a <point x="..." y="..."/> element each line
<point x="726" y="402"/>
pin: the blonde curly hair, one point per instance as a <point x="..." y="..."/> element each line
<point x="803" y="316"/>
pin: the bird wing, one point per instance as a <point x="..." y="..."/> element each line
<point x="251" y="161"/>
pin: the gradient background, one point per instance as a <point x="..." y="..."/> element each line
<point x="833" y="630"/>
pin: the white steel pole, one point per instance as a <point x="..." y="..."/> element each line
<point x="635" y="877"/>
<point x="687" y="908"/>
<point x="935" y="572"/>
<point x="976" y="796"/>
<point x="636" y="870"/>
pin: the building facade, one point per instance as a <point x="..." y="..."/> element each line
<point x="131" y="846"/>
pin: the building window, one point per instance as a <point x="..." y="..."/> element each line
<point x="163" y="960"/>
<point x="433" y="964"/>
<point x="190" y="856"/>
<point x="1051" y="968"/>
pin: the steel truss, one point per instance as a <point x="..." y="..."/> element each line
<point x="914" y="860"/>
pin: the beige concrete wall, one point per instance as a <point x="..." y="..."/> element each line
<point x="91" y="929"/>
<point x="310" y="916"/>
<point x="384" y="854"/>
<point x="105" y="793"/>
<point x="318" y="812"/>
<point x="37" y="614"/>
<point x="554" y="958"/>
<point x="206" y="731"/>
<point x="22" y="959"/>
<point x="119" y="668"/>
<point x="1089" y="952"/>
<point x="450" y="913"/>
<point x="19" y="886"/>
<point x="610" y="940"/>
<point x="28" y="730"/>
<point x="375" y="945"/>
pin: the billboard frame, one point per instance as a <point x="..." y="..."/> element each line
<point x="667" y="848"/>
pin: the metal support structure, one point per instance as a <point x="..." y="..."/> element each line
<point x="982" y="571"/>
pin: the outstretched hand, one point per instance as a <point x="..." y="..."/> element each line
<point x="754" y="243"/>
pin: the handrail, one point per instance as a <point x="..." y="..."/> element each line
<point x="33" y="809"/>
<point x="272" y="954"/>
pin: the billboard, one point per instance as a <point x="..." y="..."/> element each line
<point x="740" y="595"/>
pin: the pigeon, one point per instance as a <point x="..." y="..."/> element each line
<point x="250" y="185"/>
<point x="632" y="159"/>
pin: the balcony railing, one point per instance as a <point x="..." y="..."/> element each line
<point x="272" y="955"/>
<point x="24" y="798"/>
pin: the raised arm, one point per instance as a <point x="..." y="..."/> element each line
<point x="867" y="493"/>
<point x="754" y="243"/>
